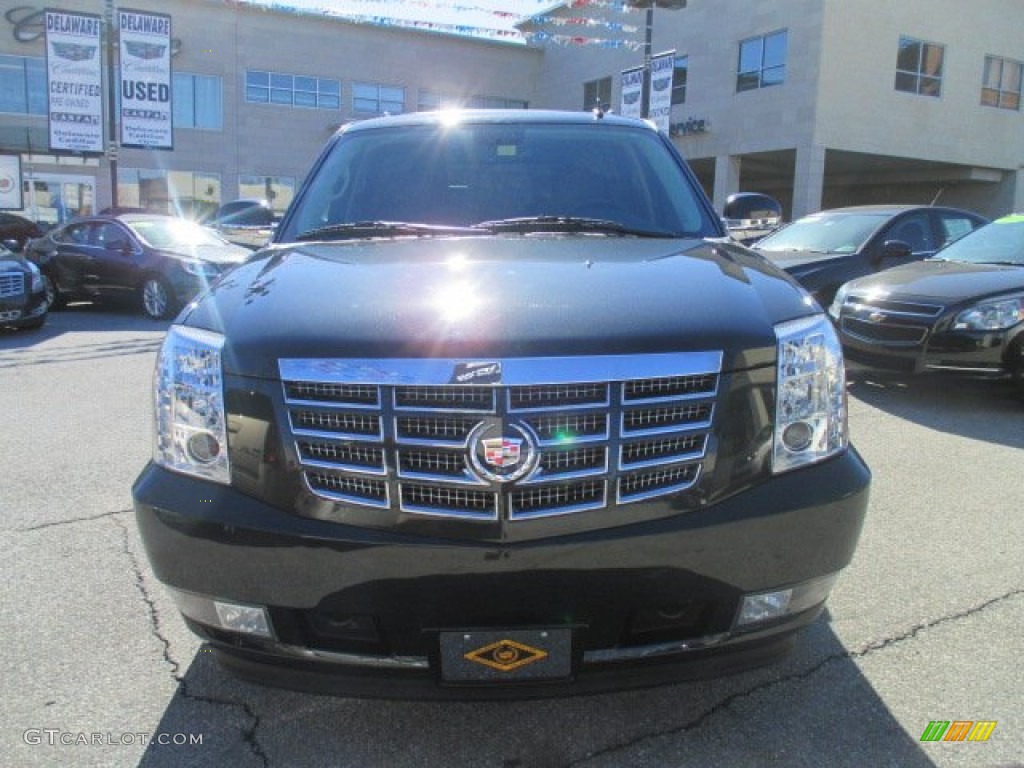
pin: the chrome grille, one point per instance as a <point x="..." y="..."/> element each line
<point x="11" y="284"/>
<point x="592" y="437"/>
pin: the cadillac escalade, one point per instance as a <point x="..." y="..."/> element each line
<point x="501" y="411"/>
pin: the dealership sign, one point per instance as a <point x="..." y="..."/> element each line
<point x="10" y="182"/>
<point x="660" y="95"/>
<point x="74" y="81"/>
<point x="146" y="113"/>
<point x="632" y="91"/>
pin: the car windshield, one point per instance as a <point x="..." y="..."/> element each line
<point x="468" y="174"/>
<point x="825" y="233"/>
<point x="1001" y="242"/>
<point x="173" y="233"/>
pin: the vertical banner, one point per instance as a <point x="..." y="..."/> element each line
<point x="660" y="95"/>
<point x="10" y="183"/>
<point x="74" y="81"/>
<point x="632" y="92"/>
<point x="145" y="80"/>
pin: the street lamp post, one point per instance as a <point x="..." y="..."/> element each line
<point x="111" y="100"/>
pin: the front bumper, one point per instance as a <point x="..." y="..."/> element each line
<point x="994" y="354"/>
<point x="350" y="607"/>
<point x="23" y="308"/>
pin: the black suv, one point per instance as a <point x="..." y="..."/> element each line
<point x="23" y="301"/>
<point x="500" y="412"/>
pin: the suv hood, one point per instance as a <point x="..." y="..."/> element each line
<point x="945" y="281"/>
<point x="498" y="296"/>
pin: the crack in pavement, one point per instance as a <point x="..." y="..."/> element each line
<point x="249" y="734"/>
<point x="858" y="653"/>
<point x="72" y="521"/>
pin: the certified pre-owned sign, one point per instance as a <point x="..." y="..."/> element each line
<point x="145" y="80"/>
<point x="74" y="81"/>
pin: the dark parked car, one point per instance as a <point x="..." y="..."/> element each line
<point x="22" y="295"/>
<point x="16" y="230"/>
<point x="249" y="223"/>
<point x="824" y="250"/>
<point x="500" y="412"/>
<point x="159" y="262"/>
<point x="962" y="311"/>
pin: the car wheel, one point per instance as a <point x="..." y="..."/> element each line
<point x="157" y="301"/>
<point x="54" y="298"/>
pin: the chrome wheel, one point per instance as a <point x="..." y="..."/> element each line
<point x="156" y="299"/>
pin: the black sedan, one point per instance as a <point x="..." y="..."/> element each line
<point x="961" y="311"/>
<point x="159" y="262"/>
<point x="824" y="250"/>
<point x="22" y="296"/>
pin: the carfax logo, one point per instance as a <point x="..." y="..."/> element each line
<point x="958" y="730"/>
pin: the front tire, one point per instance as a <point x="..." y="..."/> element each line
<point x="156" y="298"/>
<point x="54" y="298"/>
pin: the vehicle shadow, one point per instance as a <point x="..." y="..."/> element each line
<point x="946" y="404"/>
<point x="814" y="708"/>
<point x="124" y="331"/>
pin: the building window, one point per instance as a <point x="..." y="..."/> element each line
<point x="679" y="73"/>
<point x="181" y="193"/>
<point x="597" y="94"/>
<point x="198" y="102"/>
<point x="287" y="90"/>
<point x="276" y="190"/>
<point x="376" y="99"/>
<point x="762" y="62"/>
<point x="22" y="85"/>
<point x="919" y="67"/>
<point x="1002" y="83"/>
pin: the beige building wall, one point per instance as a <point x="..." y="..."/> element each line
<point x="836" y="132"/>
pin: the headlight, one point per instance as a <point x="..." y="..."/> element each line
<point x="836" y="307"/>
<point x="810" y="407"/>
<point x="37" y="277"/>
<point x="995" y="315"/>
<point x="201" y="268"/>
<point x="191" y="433"/>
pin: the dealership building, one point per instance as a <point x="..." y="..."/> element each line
<point x="819" y="103"/>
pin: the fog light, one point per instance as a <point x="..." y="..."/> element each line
<point x="766" y="606"/>
<point x="234" y="617"/>
<point x="249" y="619"/>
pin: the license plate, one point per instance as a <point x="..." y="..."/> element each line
<point x="506" y="656"/>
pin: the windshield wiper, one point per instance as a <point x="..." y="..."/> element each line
<point x="362" y="229"/>
<point x="1001" y="263"/>
<point x="528" y="224"/>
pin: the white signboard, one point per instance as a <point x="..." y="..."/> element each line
<point x="660" y="109"/>
<point x="632" y="92"/>
<point x="145" y="79"/>
<point x="10" y="182"/>
<point x="74" y="81"/>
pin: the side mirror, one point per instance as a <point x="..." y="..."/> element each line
<point x="896" y="249"/>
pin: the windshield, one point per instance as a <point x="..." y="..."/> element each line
<point x="467" y="174"/>
<point x="173" y="233"/>
<point x="825" y="233"/>
<point x="1001" y="242"/>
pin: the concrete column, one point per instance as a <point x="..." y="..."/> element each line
<point x="808" y="180"/>
<point x="1018" y="196"/>
<point x="727" y="179"/>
